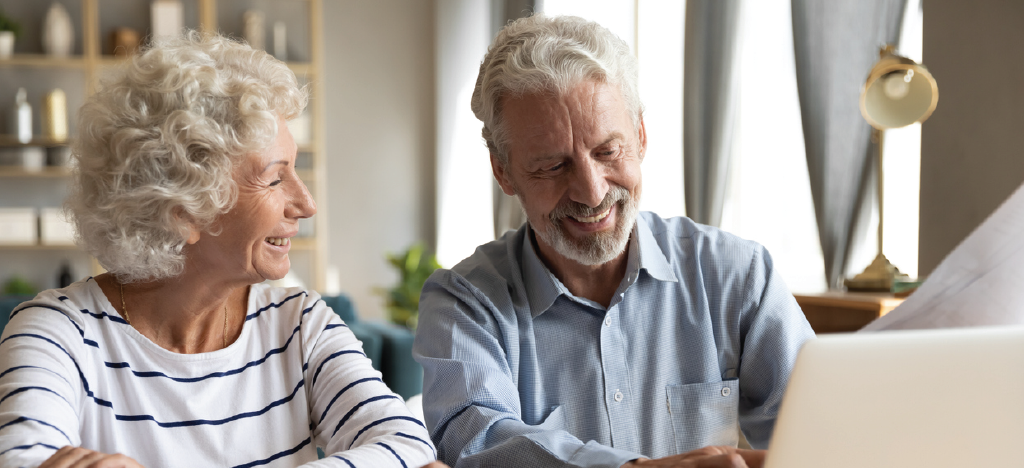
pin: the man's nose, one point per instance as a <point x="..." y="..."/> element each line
<point x="589" y="186"/>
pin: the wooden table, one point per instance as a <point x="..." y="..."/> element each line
<point x="840" y="311"/>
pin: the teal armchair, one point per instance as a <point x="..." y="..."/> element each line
<point x="388" y="346"/>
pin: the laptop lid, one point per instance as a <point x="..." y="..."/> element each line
<point x="928" y="398"/>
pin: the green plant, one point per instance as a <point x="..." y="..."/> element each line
<point x="414" y="267"/>
<point x="8" y="24"/>
<point x="17" y="286"/>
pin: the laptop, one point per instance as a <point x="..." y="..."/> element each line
<point x="923" y="398"/>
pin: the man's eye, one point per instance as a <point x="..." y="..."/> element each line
<point x="556" y="167"/>
<point x="276" y="182"/>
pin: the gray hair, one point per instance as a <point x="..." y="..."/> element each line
<point x="549" y="54"/>
<point x="157" y="147"/>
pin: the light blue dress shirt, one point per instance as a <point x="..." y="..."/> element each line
<point x="700" y="336"/>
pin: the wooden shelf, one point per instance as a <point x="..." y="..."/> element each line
<point x="39" y="247"/>
<point x="11" y="141"/>
<point x="44" y="61"/>
<point x="303" y="243"/>
<point x="302" y="69"/>
<point x="46" y="172"/>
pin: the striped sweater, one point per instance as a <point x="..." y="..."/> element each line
<point x="73" y="372"/>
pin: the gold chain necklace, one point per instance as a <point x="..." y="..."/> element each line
<point x="224" y="336"/>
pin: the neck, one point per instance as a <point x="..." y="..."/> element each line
<point x="188" y="314"/>
<point x="595" y="282"/>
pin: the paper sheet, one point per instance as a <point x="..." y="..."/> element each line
<point x="980" y="283"/>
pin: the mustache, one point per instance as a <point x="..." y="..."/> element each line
<point x="615" y="195"/>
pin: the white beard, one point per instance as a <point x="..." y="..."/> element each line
<point x="597" y="248"/>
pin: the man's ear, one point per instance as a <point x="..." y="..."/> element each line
<point x="502" y="176"/>
<point x="642" y="135"/>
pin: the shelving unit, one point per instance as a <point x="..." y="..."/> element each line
<point x="79" y="74"/>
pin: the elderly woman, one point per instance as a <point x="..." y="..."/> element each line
<point x="186" y="192"/>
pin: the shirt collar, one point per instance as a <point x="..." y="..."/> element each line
<point x="652" y="258"/>
<point x="543" y="288"/>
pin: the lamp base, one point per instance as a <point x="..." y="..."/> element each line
<point x="878" y="276"/>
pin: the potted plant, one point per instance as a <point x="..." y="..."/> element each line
<point x="9" y="29"/>
<point x="414" y="267"/>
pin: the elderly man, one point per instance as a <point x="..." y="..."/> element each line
<point x="595" y="335"/>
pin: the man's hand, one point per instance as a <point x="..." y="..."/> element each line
<point x="79" y="457"/>
<point x="436" y="464"/>
<point x="707" y="457"/>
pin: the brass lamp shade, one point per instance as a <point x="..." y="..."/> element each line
<point x="898" y="92"/>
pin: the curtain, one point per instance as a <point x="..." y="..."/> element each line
<point x="709" y="92"/>
<point x="508" y="212"/>
<point x="836" y="43"/>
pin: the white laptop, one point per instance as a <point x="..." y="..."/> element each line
<point x="926" y="398"/>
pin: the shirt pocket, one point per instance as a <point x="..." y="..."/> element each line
<point x="704" y="414"/>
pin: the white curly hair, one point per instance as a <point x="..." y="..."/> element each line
<point x="157" y="146"/>
<point x="549" y="54"/>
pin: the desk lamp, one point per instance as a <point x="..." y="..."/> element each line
<point x="897" y="93"/>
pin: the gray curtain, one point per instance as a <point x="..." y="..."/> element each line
<point x="508" y="213"/>
<point x="836" y="43"/>
<point x="709" y="94"/>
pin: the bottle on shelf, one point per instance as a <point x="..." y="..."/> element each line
<point x="64" y="276"/>
<point x="20" y="123"/>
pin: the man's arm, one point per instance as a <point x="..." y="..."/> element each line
<point x="470" y="397"/>
<point x="773" y="329"/>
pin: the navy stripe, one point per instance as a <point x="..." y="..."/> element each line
<point x="382" y="444"/>
<point x="277" y="455"/>
<point x="215" y="422"/>
<point x="368" y="379"/>
<point x="25" y="447"/>
<point x="80" y="331"/>
<point x="125" y="365"/>
<point x="360" y="405"/>
<point x="335" y="325"/>
<point x="344" y="460"/>
<point x="381" y="421"/>
<point x="25" y="389"/>
<point x="428" y="444"/>
<point x="85" y="383"/>
<point x="104" y="314"/>
<point x="2" y="374"/>
<point x="260" y="311"/>
<point x="319" y="368"/>
<point x="26" y="419"/>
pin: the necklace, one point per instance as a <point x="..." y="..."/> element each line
<point x="224" y="335"/>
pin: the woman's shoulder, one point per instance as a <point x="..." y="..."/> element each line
<point x="69" y="315"/>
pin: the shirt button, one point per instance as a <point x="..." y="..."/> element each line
<point x="726" y="391"/>
<point x="607" y="321"/>
<point x="618" y="395"/>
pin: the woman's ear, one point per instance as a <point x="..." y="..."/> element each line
<point x="193" y="232"/>
<point x="193" y="235"/>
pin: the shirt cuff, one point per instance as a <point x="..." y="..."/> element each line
<point x="595" y="455"/>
